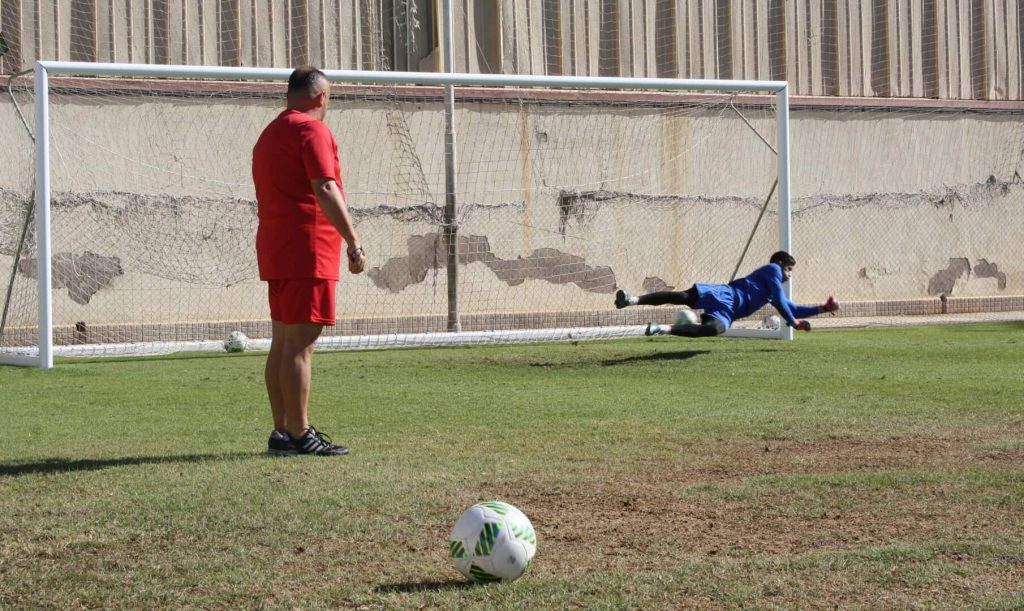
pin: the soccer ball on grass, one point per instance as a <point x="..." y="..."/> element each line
<point x="492" y="541"/>
<point x="236" y="342"/>
<point x="686" y="316"/>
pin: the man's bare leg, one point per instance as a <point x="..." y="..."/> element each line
<point x="288" y="375"/>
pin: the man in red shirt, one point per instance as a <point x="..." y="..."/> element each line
<point x="303" y="218"/>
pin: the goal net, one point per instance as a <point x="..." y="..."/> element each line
<point x="564" y="190"/>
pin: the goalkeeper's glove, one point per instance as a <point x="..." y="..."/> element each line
<point x="830" y="306"/>
<point x="802" y="325"/>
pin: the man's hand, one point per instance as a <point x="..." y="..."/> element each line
<point x="356" y="259"/>
<point x="830" y="306"/>
<point x="802" y="325"/>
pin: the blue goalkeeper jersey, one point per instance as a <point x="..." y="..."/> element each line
<point x="741" y="298"/>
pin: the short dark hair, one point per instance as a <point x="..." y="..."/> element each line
<point x="783" y="258"/>
<point x="306" y="81"/>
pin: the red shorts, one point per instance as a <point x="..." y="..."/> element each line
<point x="305" y="300"/>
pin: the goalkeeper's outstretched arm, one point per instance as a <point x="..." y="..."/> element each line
<point x="831" y="306"/>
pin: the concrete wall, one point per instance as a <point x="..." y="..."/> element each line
<point x="559" y="205"/>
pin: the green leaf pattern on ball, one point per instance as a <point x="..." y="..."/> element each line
<point x="488" y="535"/>
<point x="458" y="550"/>
<point x="481" y="575"/>
<point x="497" y="507"/>
<point x="523" y="533"/>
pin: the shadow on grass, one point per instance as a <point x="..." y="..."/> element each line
<point x="679" y="355"/>
<point x="426" y="586"/>
<point x="67" y="465"/>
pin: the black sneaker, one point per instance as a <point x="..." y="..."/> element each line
<point x="621" y="299"/>
<point x="315" y="443"/>
<point x="279" y="443"/>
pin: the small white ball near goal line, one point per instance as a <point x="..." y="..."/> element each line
<point x="236" y="342"/>
<point x="773" y="322"/>
<point x="686" y="316"/>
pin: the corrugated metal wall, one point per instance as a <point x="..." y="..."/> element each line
<point x="946" y="49"/>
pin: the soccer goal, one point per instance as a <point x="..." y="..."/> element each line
<point x="493" y="208"/>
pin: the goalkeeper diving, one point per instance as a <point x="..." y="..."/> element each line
<point x="724" y="303"/>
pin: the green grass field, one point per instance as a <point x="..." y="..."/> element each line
<point x="870" y="468"/>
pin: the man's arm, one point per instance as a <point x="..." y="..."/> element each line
<point x="332" y="203"/>
<point x="806" y="311"/>
<point x="778" y="296"/>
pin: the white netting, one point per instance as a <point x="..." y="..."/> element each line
<point x="915" y="216"/>
<point x="562" y="198"/>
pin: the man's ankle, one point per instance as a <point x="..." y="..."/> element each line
<point x="301" y="433"/>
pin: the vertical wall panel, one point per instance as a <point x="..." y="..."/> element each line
<point x="1013" y="58"/>
<point x="799" y="59"/>
<point x="709" y="46"/>
<point x="865" y="53"/>
<point x="695" y="45"/>
<point x="608" y="45"/>
<point x="912" y="44"/>
<point x="965" y="51"/>
<point x="105" y="38"/>
<point x="486" y="19"/>
<point x="160" y="31"/>
<point x="915" y="24"/>
<point x="345" y="24"/>
<point x="680" y="40"/>
<point x="276" y="24"/>
<point x="298" y="33"/>
<point x="844" y="48"/>
<point x="245" y="31"/>
<point x="45" y="31"/>
<point x="880" y="49"/>
<point x="535" y="27"/>
<point x="628" y="45"/>
<point x="997" y="50"/>
<point x="565" y="35"/>
<point x="724" y="59"/>
<point x="650" y="63"/>
<point x="778" y="48"/>
<point x="761" y="33"/>
<point x="896" y="69"/>
<point x="900" y="48"/>
<point x="743" y="40"/>
<point x="518" y="40"/>
<point x="666" y="39"/>
<point x="830" y="55"/>
<point x="82" y="28"/>
<point x="942" y="49"/>
<point x="1020" y="51"/>
<point x="627" y="50"/>
<point x="12" y="37"/>
<point x="979" y="47"/>
<point x="814" y="24"/>
<point x="577" y="42"/>
<point x="929" y="49"/>
<point x="950" y="68"/>
<point x="796" y="38"/>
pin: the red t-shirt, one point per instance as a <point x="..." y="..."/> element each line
<point x="294" y="238"/>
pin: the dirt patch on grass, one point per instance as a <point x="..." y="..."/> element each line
<point x="777" y="497"/>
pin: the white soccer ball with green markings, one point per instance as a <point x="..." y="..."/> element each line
<point x="686" y="316"/>
<point x="492" y="541"/>
<point x="236" y="342"/>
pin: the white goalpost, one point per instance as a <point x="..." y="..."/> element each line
<point x="509" y="208"/>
